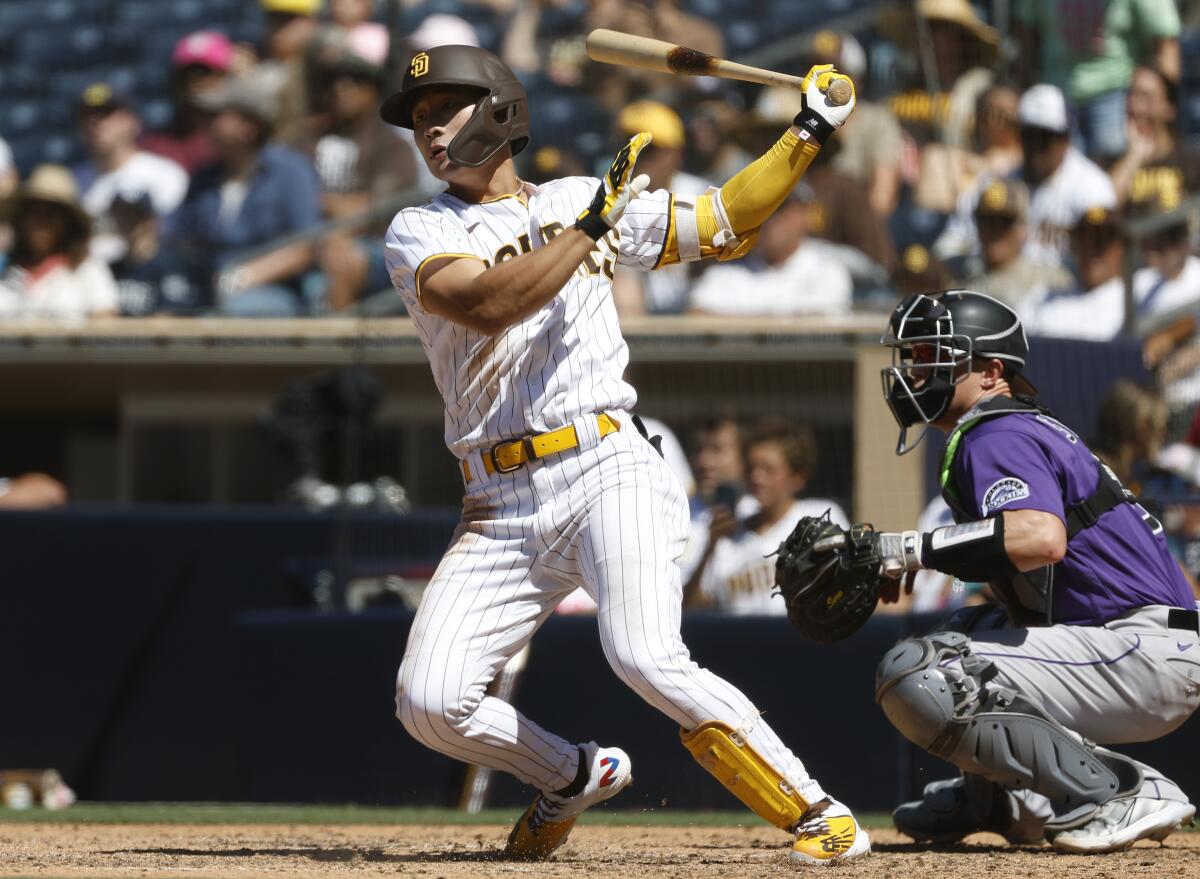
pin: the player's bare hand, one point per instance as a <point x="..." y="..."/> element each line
<point x="821" y="115"/>
<point x="889" y="592"/>
<point x="616" y="190"/>
<point x="723" y="524"/>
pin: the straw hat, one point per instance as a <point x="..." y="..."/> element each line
<point x="898" y="21"/>
<point x="53" y="184"/>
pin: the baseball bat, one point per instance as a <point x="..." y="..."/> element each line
<point x="614" y="47"/>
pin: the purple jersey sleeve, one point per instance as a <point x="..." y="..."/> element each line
<point x="1002" y="470"/>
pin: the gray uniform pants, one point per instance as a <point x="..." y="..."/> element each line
<point x="1131" y="680"/>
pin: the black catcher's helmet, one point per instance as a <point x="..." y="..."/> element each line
<point x="501" y="116"/>
<point x="932" y="337"/>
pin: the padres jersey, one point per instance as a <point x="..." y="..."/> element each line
<point x="566" y="359"/>
<point x="741" y="575"/>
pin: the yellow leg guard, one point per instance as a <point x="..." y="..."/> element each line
<point x="750" y="778"/>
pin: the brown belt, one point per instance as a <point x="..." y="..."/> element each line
<point x="511" y="455"/>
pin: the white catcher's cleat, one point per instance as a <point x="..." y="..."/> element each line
<point x="1120" y="823"/>
<point x="547" y="822"/>
<point x="830" y="837"/>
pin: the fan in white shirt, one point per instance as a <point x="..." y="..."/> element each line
<point x="1171" y="280"/>
<point x="786" y="274"/>
<point x="1096" y="309"/>
<point x="737" y="571"/>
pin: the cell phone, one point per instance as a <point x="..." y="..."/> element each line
<point x="727" y="494"/>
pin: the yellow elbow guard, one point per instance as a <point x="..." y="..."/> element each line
<point x="730" y="759"/>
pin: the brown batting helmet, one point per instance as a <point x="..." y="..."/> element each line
<point x="501" y="116"/>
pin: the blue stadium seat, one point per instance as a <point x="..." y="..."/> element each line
<point x="78" y="11"/>
<point x="18" y="81"/>
<point x="52" y="49"/>
<point x="745" y="34"/>
<point x="16" y="15"/>
<point x="188" y="14"/>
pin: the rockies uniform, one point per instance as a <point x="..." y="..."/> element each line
<point x="1101" y="645"/>
<point x="563" y="489"/>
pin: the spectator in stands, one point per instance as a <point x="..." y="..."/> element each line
<point x="200" y="64"/>
<point x="1157" y="165"/>
<point x="1131" y="430"/>
<point x="1062" y="182"/>
<point x="869" y="147"/>
<point x="949" y="172"/>
<point x="31" y="491"/>
<point x="718" y="496"/>
<point x="356" y="18"/>
<point x="736" y="573"/>
<point x="1170" y="280"/>
<point x="1089" y="50"/>
<point x="50" y="273"/>
<point x="291" y="25"/>
<point x="254" y="195"/>
<point x="666" y="290"/>
<point x="9" y="180"/>
<point x="110" y="128"/>
<point x="358" y="161"/>
<point x="835" y="213"/>
<point x="957" y="51"/>
<point x="616" y="87"/>
<point x="786" y="273"/>
<point x="1094" y="308"/>
<point x="1008" y="275"/>
<point x="916" y="271"/>
<point x="151" y="278"/>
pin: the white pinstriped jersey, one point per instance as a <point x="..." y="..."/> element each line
<point x="565" y="360"/>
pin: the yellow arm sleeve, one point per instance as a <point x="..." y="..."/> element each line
<point x="748" y="198"/>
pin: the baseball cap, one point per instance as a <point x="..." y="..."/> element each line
<point x="661" y="121"/>
<point x="1098" y="218"/>
<point x="1043" y="106"/>
<point x="292" y="7"/>
<point x="102" y="97"/>
<point x="1003" y="198"/>
<point x="244" y="94"/>
<point x="206" y="48"/>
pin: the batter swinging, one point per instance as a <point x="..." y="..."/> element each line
<point x="510" y="287"/>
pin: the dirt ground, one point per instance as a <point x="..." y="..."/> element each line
<point x="334" y="852"/>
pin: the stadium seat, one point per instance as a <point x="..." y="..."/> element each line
<point x="15" y="16"/>
<point x="187" y="14"/>
<point x="745" y="34"/>
<point x="78" y="11"/>
<point x="50" y="48"/>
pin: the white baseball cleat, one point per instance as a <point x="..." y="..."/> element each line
<point x="830" y="838"/>
<point x="547" y="822"/>
<point x="1120" y="823"/>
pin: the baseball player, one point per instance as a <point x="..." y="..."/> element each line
<point x="509" y="285"/>
<point x="1100" y="642"/>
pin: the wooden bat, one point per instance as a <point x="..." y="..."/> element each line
<point x="613" y="47"/>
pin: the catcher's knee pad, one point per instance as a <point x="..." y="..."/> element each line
<point x="729" y="758"/>
<point x="957" y="712"/>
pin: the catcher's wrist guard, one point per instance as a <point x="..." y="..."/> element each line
<point x="973" y="551"/>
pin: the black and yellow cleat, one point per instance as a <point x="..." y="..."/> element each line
<point x="830" y="837"/>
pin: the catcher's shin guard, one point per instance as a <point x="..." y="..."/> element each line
<point x="959" y="713"/>
<point x="730" y="759"/>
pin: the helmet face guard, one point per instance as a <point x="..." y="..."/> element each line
<point x="928" y="359"/>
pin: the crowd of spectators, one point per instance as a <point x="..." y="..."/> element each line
<point x="1011" y="159"/>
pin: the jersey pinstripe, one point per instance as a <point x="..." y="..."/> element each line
<point x="565" y="360"/>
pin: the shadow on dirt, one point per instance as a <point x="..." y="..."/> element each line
<point x="374" y="855"/>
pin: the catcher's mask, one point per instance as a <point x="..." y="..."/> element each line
<point x="501" y="114"/>
<point x="933" y="337"/>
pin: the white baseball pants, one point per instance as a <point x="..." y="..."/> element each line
<point x="610" y="517"/>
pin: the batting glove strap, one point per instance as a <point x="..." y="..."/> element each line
<point x="812" y="125"/>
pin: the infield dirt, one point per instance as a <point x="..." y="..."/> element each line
<point x="333" y="852"/>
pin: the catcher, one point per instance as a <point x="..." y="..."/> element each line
<point x="1098" y="642"/>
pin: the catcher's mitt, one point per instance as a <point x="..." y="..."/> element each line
<point x="829" y="577"/>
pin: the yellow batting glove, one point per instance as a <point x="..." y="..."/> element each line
<point x="615" y="191"/>
<point x="820" y="116"/>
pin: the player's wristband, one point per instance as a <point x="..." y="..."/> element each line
<point x="592" y="225"/>
<point x="814" y="124"/>
<point x="973" y="551"/>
